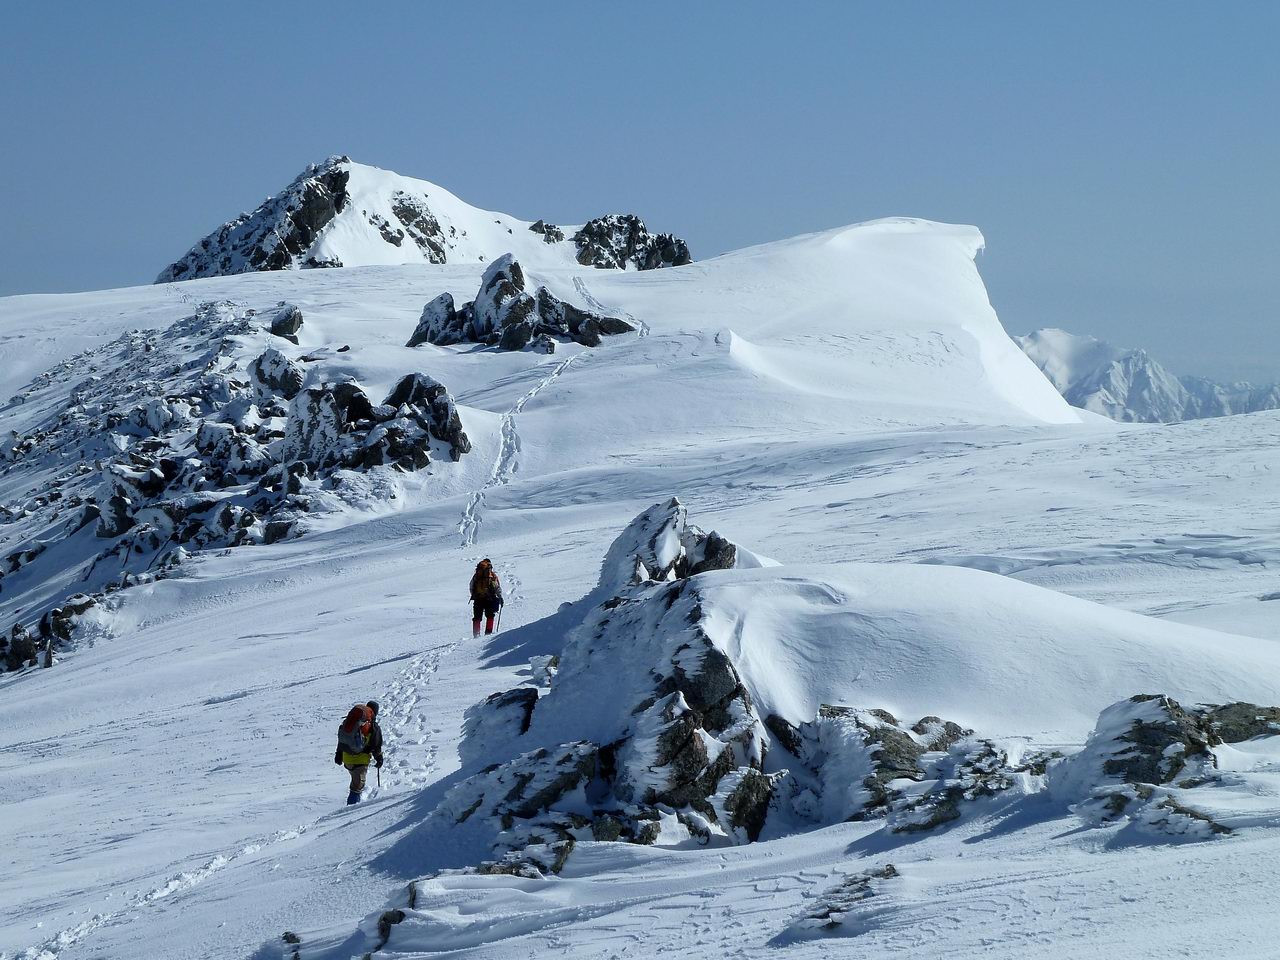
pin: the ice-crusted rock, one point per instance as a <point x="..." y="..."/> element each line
<point x="275" y="236"/>
<point x="1140" y="752"/>
<point x="661" y="545"/>
<point x="844" y="904"/>
<point x="204" y="436"/>
<point x="622" y="240"/>
<point x="681" y="733"/>
<point x="438" y="324"/>
<point x="432" y="407"/>
<point x="506" y="315"/>
<point x="275" y="375"/>
<point x="494" y="722"/>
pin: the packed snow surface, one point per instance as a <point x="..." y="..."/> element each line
<point x="844" y="403"/>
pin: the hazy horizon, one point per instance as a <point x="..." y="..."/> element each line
<point x="1119" y="164"/>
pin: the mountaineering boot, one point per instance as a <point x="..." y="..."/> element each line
<point x="475" y="627"/>
<point x="488" y="625"/>
<point x="353" y="797"/>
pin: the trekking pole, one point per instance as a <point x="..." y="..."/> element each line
<point x="379" y="769"/>
<point x="499" y="626"/>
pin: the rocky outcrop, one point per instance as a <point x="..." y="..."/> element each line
<point x="275" y="236"/>
<point x="207" y="436"/>
<point x="1141" y="763"/>
<point x="621" y="240"/>
<point x="504" y="314"/>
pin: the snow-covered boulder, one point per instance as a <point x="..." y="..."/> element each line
<point x="661" y="545"/>
<point x="438" y="324"/>
<point x="1139" y="747"/>
<point x="275" y="375"/>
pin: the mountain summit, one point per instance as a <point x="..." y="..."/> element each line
<point x="1131" y="386"/>
<point x="341" y="213"/>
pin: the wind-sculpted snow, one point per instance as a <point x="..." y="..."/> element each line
<point x="846" y="402"/>
<point x="344" y="214"/>
<point x="657" y="730"/>
<point x="164" y="443"/>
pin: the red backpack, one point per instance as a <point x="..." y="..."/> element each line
<point x="353" y="734"/>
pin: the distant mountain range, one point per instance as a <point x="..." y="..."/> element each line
<point x="1131" y="386"/>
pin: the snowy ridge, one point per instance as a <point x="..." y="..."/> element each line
<point x="341" y="213"/>
<point x="845" y="402"/>
<point x="1129" y="385"/>
<point x="659" y="728"/>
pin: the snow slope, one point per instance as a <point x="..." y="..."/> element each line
<point x="846" y="396"/>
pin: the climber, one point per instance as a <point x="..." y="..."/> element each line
<point x="359" y="740"/>
<point x="486" y="597"/>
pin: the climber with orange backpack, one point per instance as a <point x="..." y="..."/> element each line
<point x="359" y="740"/>
<point x="486" y="597"/>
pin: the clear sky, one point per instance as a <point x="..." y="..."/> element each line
<point x="1122" y="159"/>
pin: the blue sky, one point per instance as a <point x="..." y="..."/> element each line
<point x="1121" y="158"/>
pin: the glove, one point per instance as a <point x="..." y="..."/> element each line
<point x="337" y="758"/>
<point x="377" y="762"/>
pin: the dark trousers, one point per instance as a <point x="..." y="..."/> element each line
<point x="486" y="607"/>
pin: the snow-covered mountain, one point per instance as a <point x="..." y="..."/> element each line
<point x="1129" y="385"/>
<point x="827" y="616"/>
<point x="341" y="213"/>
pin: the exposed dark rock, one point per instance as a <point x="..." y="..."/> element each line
<point x="421" y="224"/>
<point x="1237" y="722"/>
<point x="286" y="321"/>
<point x="275" y="236"/>
<point x="438" y="324"/>
<point x="747" y="804"/>
<point x="21" y="649"/>
<point x="505" y="315"/>
<point x="275" y="374"/>
<point x="59" y="623"/>
<point x="1162" y="744"/>
<point x="786" y="733"/>
<point x="621" y="240"/>
<point x="549" y="231"/>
